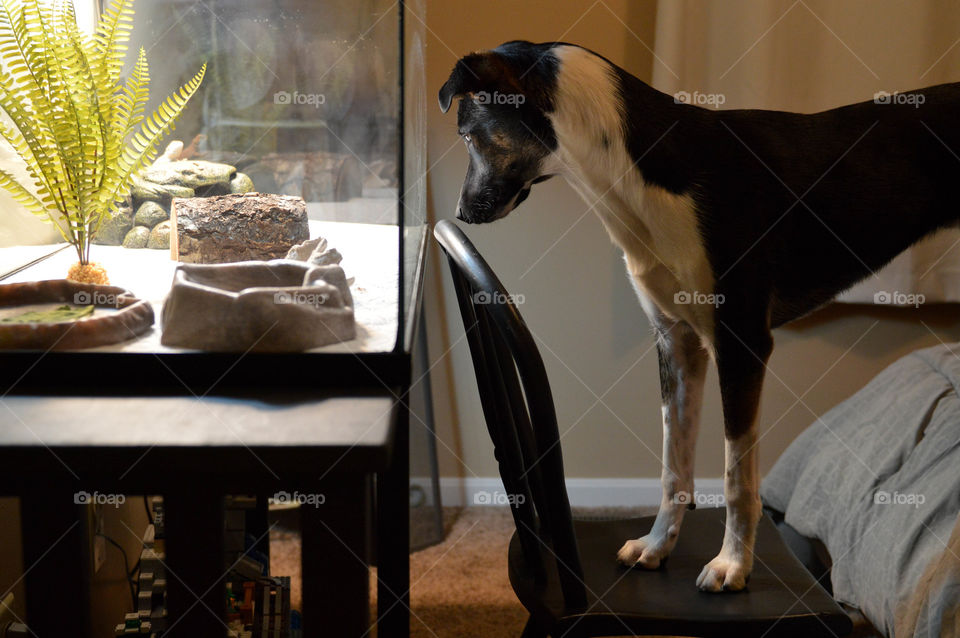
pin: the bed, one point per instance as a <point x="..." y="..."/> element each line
<point x="869" y="495"/>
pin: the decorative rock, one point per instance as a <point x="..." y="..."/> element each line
<point x="114" y="227"/>
<point x="189" y="173"/>
<point x="160" y="236"/>
<point x="331" y="257"/>
<point x="302" y="252"/>
<point x="220" y="188"/>
<point x="315" y="251"/>
<point x="228" y="228"/>
<point x="240" y="184"/>
<point x="142" y="190"/>
<point x="150" y="214"/>
<point x="137" y="237"/>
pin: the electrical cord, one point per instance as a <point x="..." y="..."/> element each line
<point x="126" y="567"/>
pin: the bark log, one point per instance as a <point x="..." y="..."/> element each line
<point x="229" y="228"/>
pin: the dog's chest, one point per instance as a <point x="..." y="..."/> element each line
<point x="664" y="253"/>
<point x="657" y="230"/>
<point x="666" y="258"/>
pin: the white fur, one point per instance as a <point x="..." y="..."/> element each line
<point x="681" y="420"/>
<point x="732" y="566"/>
<point x="657" y="230"/>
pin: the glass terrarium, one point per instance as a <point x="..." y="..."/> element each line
<point x="274" y="236"/>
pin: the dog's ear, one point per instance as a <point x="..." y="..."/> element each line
<point x="473" y="73"/>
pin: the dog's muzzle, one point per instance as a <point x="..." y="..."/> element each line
<point x="521" y="195"/>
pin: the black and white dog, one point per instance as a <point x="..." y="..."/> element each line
<point x="772" y="212"/>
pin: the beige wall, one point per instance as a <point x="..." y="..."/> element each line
<point x="595" y="339"/>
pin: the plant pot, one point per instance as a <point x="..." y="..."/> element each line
<point x="127" y="319"/>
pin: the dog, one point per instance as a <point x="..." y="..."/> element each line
<point x="774" y="213"/>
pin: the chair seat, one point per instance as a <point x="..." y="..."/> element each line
<point x="781" y="598"/>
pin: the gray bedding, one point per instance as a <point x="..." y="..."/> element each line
<point x="877" y="480"/>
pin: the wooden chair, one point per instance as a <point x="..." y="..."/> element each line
<point x="565" y="571"/>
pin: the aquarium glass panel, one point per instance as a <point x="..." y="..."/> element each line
<point x="301" y="133"/>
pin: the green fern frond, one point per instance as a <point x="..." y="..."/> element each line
<point x="142" y="148"/>
<point x="21" y="195"/>
<point x="112" y="36"/>
<point x="129" y="106"/>
<point x="81" y="132"/>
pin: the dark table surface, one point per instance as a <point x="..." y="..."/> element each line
<point x="152" y="443"/>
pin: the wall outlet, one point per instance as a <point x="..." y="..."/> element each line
<point x="99" y="552"/>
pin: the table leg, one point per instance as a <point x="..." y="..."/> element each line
<point x="258" y="524"/>
<point x="393" y="536"/>
<point x="55" y="559"/>
<point x="336" y="587"/>
<point x="196" y="594"/>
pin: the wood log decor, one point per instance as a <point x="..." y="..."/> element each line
<point x="230" y="228"/>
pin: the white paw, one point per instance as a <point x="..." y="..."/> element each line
<point x="647" y="552"/>
<point x="723" y="574"/>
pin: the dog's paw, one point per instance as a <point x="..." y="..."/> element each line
<point x="723" y="574"/>
<point x="646" y="552"/>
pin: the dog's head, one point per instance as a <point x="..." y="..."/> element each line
<point x="505" y="96"/>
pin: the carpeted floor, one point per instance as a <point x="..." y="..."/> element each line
<point x="459" y="588"/>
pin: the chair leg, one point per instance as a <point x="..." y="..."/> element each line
<point x="533" y="630"/>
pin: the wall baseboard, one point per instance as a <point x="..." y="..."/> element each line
<point x="583" y="492"/>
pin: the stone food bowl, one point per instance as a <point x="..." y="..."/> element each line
<point x="259" y="306"/>
<point x="128" y="317"/>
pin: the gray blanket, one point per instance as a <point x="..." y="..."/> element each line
<point x="877" y="480"/>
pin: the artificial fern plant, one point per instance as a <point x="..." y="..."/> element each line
<point x="81" y="131"/>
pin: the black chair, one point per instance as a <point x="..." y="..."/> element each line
<point x="564" y="571"/>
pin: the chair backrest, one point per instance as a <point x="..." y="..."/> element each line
<point x="519" y="412"/>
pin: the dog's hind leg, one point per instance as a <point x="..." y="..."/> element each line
<point x="683" y="364"/>
<point x="741" y="363"/>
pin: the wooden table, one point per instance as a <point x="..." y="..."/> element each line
<point x="193" y="451"/>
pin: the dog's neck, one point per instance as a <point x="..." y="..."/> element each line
<point x="614" y="146"/>
<point x="592" y="152"/>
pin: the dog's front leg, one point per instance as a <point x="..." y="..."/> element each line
<point x="741" y="362"/>
<point x="683" y="364"/>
